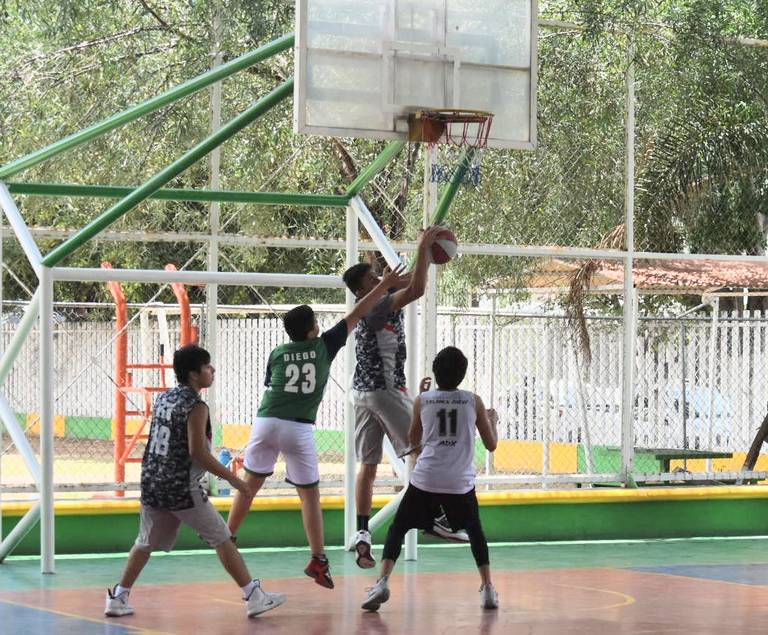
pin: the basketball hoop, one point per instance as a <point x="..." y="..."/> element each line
<point x="450" y="126"/>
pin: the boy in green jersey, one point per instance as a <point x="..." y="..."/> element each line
<point x="297" y="373"/>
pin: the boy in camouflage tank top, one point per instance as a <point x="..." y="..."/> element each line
<point x="177" y="455"/>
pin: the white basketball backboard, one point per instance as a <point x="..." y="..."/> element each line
<point x="363" y="65"/>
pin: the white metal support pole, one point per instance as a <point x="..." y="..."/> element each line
<point x="47" y="543"/>
<point x="2" y="443"/>
<point x="712" y="370"/>
<point x="428" y="348"/>
<point x="492" y="391"/>
<point x="21" y="529"/>
<point x="165" y="341"/>
<point x="23" y="235"/>
<point x="350" y="461"/>
<point x="23" y="328"/>
<point x="212" y="290"/>
<point x="549" y="402"/>
<point x="412" y="378"/>
<point x="630" y="330"/>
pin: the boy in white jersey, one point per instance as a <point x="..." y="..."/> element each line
<point x="443" y="430"/>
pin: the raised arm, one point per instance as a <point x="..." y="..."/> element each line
<point x="365" y="305"/>
<point x="486" y="424"/>
<point x="418" y="280"/>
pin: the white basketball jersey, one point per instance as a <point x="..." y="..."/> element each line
<point x="446" y="464"/>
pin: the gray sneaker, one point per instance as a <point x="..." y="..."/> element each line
<point x="117" y="605"/>
<point x="377" y="595"/>
<point x="260" y="601"/>
<point x="489" y="599"/>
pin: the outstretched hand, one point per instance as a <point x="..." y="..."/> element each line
<point x="429" y="236"/>
<point x="394" y="277"/>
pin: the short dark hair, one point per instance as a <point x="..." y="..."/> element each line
<point x="189" y="359"/>
<point x="449" y="367"/>
<point x="298" y="322"/>
<point x="353" y="277"/>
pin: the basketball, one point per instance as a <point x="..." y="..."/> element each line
<point x="444" y="248"/>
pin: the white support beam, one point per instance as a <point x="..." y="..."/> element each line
<point x="23" y="527"/>
<point x="11" y="424"/>
<point x="20" y="228"/>
<point x="350" y="459"/>
<point x="27" y="322"/>
<point x="629" y="339"/>
<point x="47" y="511"/>
<point x="374" y="231"/>
<point x="197" y="277"/>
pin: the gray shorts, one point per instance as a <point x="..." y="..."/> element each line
<point x="377" y="413"/>
<point x="159" y="527"/>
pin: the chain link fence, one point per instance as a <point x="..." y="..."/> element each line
<point x="700" y="385"/>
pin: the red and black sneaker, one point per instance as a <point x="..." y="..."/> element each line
<point x="319" y="569"/>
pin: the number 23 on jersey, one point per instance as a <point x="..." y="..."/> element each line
<point x="300" y="378"/>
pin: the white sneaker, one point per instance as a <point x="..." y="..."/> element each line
<point x="117" y="605"/>
<point x="442" y="529"/>
<point x="377" y="595"/>
<point x="365" y="559"/>
<point x="260" y="601"/>
<point x="489" y="599"/>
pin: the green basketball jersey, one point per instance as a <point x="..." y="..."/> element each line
<point x="297" y="374"/>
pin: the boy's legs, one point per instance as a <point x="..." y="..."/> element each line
<point x="158" y="529"/>
<point x="137" y="560"/>
<point x="414" y="512"/>
<point x="462" y="510"/>
<point x="312" y="517"/>
<point x="259" y="461"/>
<point x="241" y="504"/>
<point x="210" y="526"/>
<point x="296" y="441"/>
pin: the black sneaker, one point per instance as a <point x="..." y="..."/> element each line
<point x="442" y="529"/>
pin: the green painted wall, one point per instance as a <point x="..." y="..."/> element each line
<point x="516" y="523"/>
<point x="77" y="427"/>
<point x="607" y="460"/>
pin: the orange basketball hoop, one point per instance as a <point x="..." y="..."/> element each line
<point x="450" y="126"/>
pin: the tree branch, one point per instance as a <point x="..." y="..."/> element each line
<point x="163" y="23"/>
<point x="107" y="39"/>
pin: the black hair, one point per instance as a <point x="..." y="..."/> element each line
<point x="189" y="359"/>
<point x="298" y="322"/>
<point x="353" y="277"/>
<point x="449" y="367"/>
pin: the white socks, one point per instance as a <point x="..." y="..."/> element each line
<point x="248" y="588"/>
<point x="119" y="590"/>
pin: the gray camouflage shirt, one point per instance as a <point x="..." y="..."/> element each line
<point x="168" y="473"/>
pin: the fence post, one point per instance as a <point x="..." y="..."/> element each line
<point x="683" y="392"/>
<point x="629" y="340"/>
<point x="712" y="370"/>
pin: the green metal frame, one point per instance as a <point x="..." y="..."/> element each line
<point x="193" y="155"/>
<point x="180" y="194"/>
<point x="444" y="204"/>
<point x="153" y="188"/>
<point x="155" y="103"/>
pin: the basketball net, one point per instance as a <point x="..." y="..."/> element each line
<point x="446" y="162"/>
<point x="450" y="131"/>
